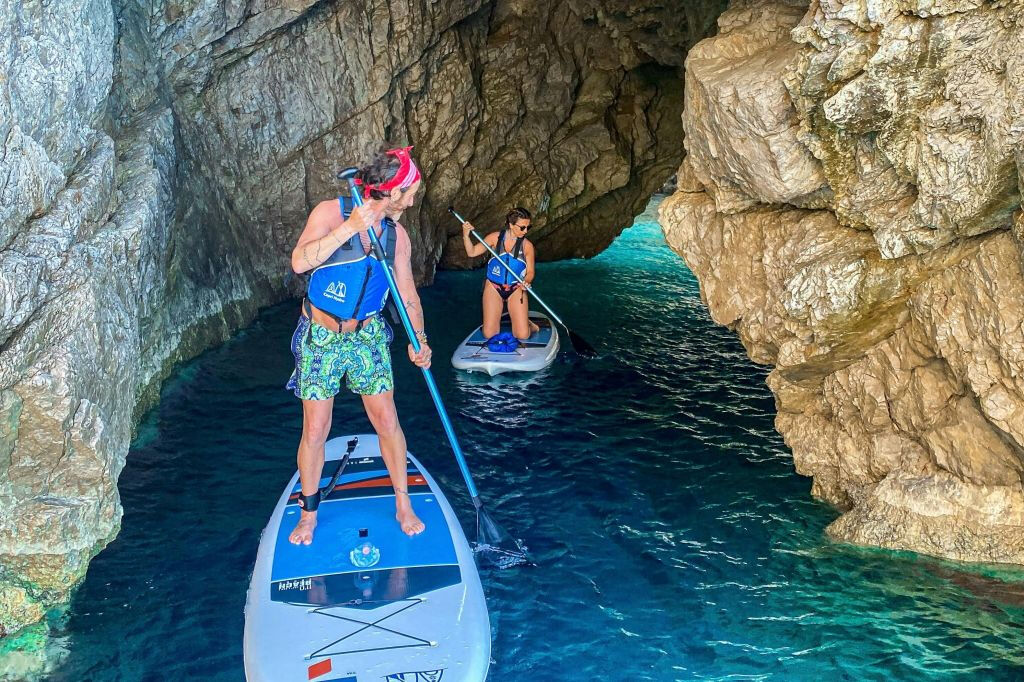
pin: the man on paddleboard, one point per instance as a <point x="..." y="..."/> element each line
<point x="342" y="335"/>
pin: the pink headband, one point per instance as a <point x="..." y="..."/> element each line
<point x="407" y="173"/>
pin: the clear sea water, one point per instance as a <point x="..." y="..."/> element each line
<point x="673" y="539"/>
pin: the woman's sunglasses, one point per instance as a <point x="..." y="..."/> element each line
<point x="524" y="228"/>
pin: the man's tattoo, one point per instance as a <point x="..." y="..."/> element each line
<point x="305" y="256"/>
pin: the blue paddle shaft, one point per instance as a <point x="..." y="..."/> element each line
<point x="427" y="376"/>
<point x="511" y="271"/>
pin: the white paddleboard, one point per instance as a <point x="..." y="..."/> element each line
<point x="401" y="609"/>
<point x="534" y="353"/>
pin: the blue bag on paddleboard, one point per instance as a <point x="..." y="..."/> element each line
<point x="505" y="342"/>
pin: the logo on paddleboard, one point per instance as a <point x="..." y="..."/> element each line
<point x="418" y="676"/>
<point x="336" y="290"/>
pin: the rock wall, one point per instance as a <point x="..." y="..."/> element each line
<point x="850" y="201"/>
<point x="158" y="159"/>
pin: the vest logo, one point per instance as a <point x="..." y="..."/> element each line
<point x="336" y="290"/>
<point x="496" y="270"/>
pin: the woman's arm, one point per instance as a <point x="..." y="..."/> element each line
<point x="473" y="248"/>
<point x="528" y="255"/>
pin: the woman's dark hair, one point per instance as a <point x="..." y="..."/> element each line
<point x="381" y="167"/>
<point x="515" y="215"/>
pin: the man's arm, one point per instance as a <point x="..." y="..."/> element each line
<point x="407" y="288"/>
<point x="325" y="232"/>
<point x="407" y="283"/>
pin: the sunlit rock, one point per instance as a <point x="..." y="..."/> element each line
<point x="894" y="311"/>
<point x="918" y="143"/>
<point x="741" y="127"/>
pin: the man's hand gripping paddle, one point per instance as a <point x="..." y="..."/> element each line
<point x="579" y="344"/>
<point x="493" y="545"/>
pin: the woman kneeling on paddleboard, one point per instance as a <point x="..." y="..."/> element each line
<point x="515" y="252"/>
<point x="342" y="334"/>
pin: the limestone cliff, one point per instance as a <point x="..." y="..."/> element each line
<point x="850" y="201"/>
<point x="158" y="158"/>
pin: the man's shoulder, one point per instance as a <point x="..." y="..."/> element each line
<point x="401" y="232"/>
<point x="403" y="245"/>
<point x="327" y="207"/>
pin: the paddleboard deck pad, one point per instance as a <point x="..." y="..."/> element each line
<point x="365" y="601"/>
<point x="534" y="353"/>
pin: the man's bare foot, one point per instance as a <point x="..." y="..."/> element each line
<point x="407" y="519"/>
<point x="534" y="328"/>
<point x="303" y="533"/>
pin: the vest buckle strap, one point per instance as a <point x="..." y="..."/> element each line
<point x="352" y="325"/>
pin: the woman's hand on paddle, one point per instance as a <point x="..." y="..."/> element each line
<point x="421" y="359"/>
<point x="472" y="250"/>
<point x="366" y="216"/>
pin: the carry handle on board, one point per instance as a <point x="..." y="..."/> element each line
<point x="579" y="344"/>
<point x="493" y="543"/>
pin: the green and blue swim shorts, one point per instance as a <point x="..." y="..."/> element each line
<point x="323" y="358"/>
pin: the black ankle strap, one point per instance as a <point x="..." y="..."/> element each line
<point x="309" y="502"/>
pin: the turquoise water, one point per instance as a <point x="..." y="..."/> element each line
<point x="672" y="538"/>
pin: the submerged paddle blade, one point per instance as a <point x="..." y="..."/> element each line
<point x="580" y="345"/>
<point x="494" y="546"/>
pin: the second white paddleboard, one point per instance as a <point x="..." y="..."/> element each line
<point x="534" y="353"/>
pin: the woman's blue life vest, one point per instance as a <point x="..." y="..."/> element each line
<point x="497" y="273"/>
<point x="351" y="284"/>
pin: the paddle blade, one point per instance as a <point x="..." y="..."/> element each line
<point x="494" y="546"/>
<point x="580" y="345"/>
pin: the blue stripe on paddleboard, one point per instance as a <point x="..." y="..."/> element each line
<point x="337" y="533"/>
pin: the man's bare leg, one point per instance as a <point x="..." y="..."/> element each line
<point x="316" y="425"/>
<point x="381" y="410"/>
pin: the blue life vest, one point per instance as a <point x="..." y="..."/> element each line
<point x="497" y="273"/>
<point x="351" y="284"/>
